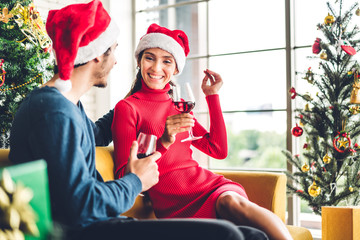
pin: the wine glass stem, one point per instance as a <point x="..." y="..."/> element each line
<point x="191" y="133"/>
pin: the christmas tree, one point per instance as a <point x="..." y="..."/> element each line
<point x="25" y="62"/>
<point x="328" y="169"/>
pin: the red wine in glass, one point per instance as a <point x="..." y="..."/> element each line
<point x="185" y="106"/>
<point x="142" y="155"/>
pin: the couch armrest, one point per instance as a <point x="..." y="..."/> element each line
<point x="266" y="189"/>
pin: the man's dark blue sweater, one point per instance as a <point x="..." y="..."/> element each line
<point x="48" y="126"/>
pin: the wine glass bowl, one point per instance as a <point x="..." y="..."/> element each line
<point x="185" y="105"/>
<point x="147" y="144"/>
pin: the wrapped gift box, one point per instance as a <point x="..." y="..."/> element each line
<point x="341" y="223"/>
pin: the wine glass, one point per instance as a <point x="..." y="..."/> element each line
<point x="185" y="105"/>
<point x="147" y="145"/>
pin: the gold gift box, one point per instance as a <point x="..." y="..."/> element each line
<point x="341" y="223"/>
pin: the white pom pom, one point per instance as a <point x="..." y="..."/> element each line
<point x="63" y="85"/>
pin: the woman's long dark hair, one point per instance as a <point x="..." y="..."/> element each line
<point x="136" y="86"/>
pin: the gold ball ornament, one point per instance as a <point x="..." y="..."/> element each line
<point x="329" y="19"/>
<point x="323" y="55"/>
<point x="357" y="12"/>
<point x="327" y="159"/>
<point x="351" y="189"/>
<point x="314" y="190"/>
<point x="305" y="167"/>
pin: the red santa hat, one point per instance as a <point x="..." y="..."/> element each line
<point x="175" y="42"/>
<point x="80" y="33"/>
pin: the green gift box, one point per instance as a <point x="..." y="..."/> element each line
<point x="33" y="175"/>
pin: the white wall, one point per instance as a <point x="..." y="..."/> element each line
<point x="122" y="75"/>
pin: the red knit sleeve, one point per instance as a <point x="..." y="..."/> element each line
<point x="123" y="133"/>
<point x="213" y="143"/>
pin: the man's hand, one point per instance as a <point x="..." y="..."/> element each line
<point x="145" y="168"/>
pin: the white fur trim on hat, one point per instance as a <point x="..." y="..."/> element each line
<point x="99" y="46"/>
<point x="62" y="85"/>
<point x="163" y="41"/>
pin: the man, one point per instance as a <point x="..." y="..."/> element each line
<point x="51" y="124"/>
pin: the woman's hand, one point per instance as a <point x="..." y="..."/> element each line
<point x="215" y="82"/>
<point x="176" y="124"/>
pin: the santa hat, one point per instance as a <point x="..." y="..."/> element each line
<point x="80" y="33"/>
<point x="174" y="42"/>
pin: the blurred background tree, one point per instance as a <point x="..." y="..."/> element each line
<point x="253" y="149"/>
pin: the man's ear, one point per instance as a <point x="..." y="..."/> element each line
<point x="97" y="59"/>
<point x="176" y="71"/>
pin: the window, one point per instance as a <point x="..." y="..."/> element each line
<point x="248" y="50"/>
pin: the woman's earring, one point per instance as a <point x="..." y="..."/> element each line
<point x="137" y="68"/>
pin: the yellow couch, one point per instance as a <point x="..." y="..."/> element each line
<point x="265" y="189"/>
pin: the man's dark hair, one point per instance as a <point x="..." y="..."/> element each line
<point x="106" y="53"/>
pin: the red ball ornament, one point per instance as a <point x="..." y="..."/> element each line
<point x="292" y="92"/>
<point x="316" y="46"/>
<point x="297" y="131"/>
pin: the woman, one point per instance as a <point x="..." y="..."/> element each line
<point x="185" y="189"/>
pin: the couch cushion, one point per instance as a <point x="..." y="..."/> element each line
<point x="104" y="162"/>
<point x="299" y="233"/>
